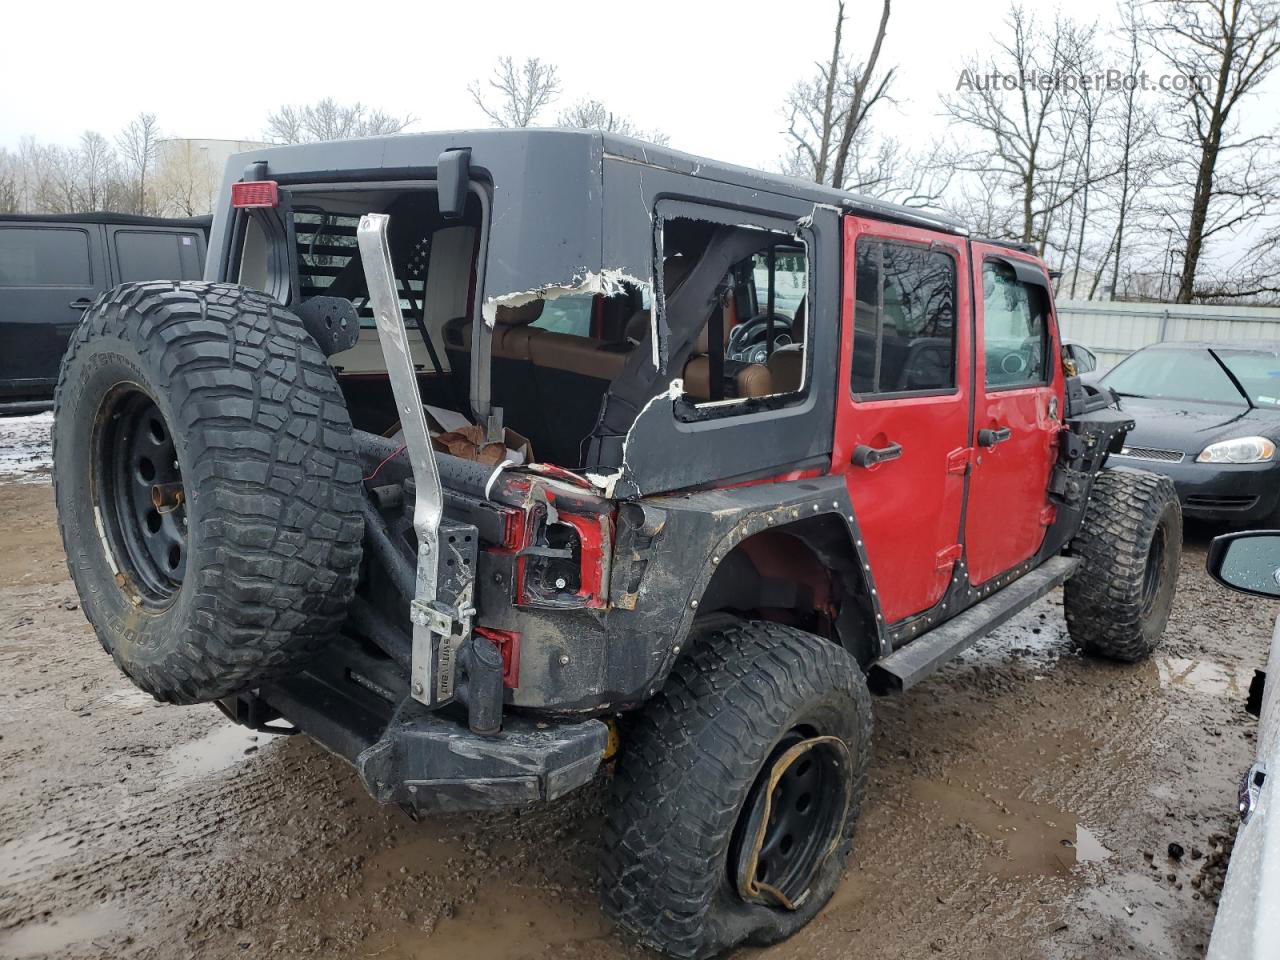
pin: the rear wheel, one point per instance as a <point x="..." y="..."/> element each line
<point x="735" y="798"/>
<point x="207" y="487"/>
<point x="1130" y="544"/>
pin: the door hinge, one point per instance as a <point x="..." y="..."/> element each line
<point x="947" y="556"/>
<point x="958" y="460"/>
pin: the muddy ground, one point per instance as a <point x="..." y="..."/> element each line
<point x="1022" y="804"/>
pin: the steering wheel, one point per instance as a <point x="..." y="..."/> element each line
<point x="749" y="340"/>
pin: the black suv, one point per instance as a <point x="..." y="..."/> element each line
<point x="51" y="268"/>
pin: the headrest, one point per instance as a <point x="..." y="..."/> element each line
<point x="520" y="316"/>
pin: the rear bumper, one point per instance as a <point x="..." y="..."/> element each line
<point x="427" y="760"/>
<point x="1236" y="493"/>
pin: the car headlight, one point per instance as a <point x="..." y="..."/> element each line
<point x="1239" y="450"/>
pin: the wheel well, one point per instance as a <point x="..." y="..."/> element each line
<point x="805" y="574"/>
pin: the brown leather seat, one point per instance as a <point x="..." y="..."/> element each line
<point x="750" y="381"/>
<point x="786" y="368"/>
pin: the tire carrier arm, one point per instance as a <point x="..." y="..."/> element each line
<point x="439" y="629"/>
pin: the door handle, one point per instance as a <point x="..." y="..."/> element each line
<point x="866" y="456"/>
<point x="84" y="303"/>
<point x="989" y="437"/>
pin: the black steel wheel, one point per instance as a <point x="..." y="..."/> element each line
<point x="737" y="791"/>
<point x="792" y="819"/>
<point x="140" y="496"/>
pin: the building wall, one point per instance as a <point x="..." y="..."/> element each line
<point x="1113" y="330"/>
<point x="189" y="173"/>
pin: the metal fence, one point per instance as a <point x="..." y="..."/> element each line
<point x="1115" y="330"/>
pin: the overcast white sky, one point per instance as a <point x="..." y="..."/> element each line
<point x="712" y="75"/>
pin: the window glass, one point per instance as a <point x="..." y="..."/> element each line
<point x="904" y="319"/>
<point x="1014" y="328"/>
<point x="44" y="257"/>
<point x="571" y="315"/>
<point x="1181" y="374"/>
<point x="148" y="255"/>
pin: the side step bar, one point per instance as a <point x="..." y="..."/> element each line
<point x="904" y="668"/>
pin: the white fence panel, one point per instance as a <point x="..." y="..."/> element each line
<point x="1115" y="330"/>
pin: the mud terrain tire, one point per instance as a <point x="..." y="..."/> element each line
<point x="692" y="761"/>
<point x="1117" y="602"/>
<point x="218" y="395"/>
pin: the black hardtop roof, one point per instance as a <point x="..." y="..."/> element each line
<point x="341" y="156"/>
<point x="108" y="217"/>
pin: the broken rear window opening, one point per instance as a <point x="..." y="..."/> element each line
<point x="757" y="318"/>
<point x="435" y="264"/>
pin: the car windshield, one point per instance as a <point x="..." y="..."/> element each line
<point x="1178" y="374"/>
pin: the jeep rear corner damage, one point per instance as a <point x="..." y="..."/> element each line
<point x="484" y="458"/>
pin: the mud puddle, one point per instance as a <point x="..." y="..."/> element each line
<point x="59" y="934"/>
<point x="218" y="751"/>
<point x="1206" y="677"/>
<point x="1029" y="838"/>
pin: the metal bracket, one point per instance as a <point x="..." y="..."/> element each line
<point x="438" y="628"/>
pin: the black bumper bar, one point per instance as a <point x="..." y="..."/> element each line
<point x="426" y="760"/>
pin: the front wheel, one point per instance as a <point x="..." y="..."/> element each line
<point x="1130" y="544"/>
<point x="734" y="802"/>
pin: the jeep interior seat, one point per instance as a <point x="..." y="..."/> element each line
<point x="549" y="384"/>
<point x="752" y="380"/>
<point x="786" y="367"/>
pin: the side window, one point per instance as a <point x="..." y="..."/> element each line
<point x="1014" y="330"/>
<point x="44" y="257"/>
<point x="154" y="255"/>
<point x="571" y="315"/>
<point x="904" y="336"/>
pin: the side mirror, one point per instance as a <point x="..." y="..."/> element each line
<point x="1248" y="562"/>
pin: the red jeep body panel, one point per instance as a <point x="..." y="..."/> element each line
<point x="1008" y="507"/>
<point x="944" y="497"/>
<point x="908" y="509"/>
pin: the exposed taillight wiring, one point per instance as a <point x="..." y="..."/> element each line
<point x="391" y="456"/>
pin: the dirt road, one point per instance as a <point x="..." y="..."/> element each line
<point x="1023" y="804"/>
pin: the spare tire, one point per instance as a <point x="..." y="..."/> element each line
<point x="207" y="487"/>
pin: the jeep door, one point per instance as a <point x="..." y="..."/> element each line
<point x="902" y="414"/>
<point x="1017" y="411"/>
<point x="49" y="274"/>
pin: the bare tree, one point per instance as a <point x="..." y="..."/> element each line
<point x="98" y="170"/>
<point x="327" y="119"/>
<point x="517" y="93"/>
<point x="827" y="113"/>
<point x="592" y="114"/>
<point x="186" y="180"/>
<point x="1023" y="120"/>
<point x="1135" y="133"/>
<point x="10" y="183"/>
<point x="137" y="143"/>
<point x="1222" y="50"/>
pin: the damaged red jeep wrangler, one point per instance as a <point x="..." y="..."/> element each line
<point x="493" y="459"/>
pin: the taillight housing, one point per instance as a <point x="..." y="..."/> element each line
<point x="562" y="564"/>
<point x="255" y="194"/>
